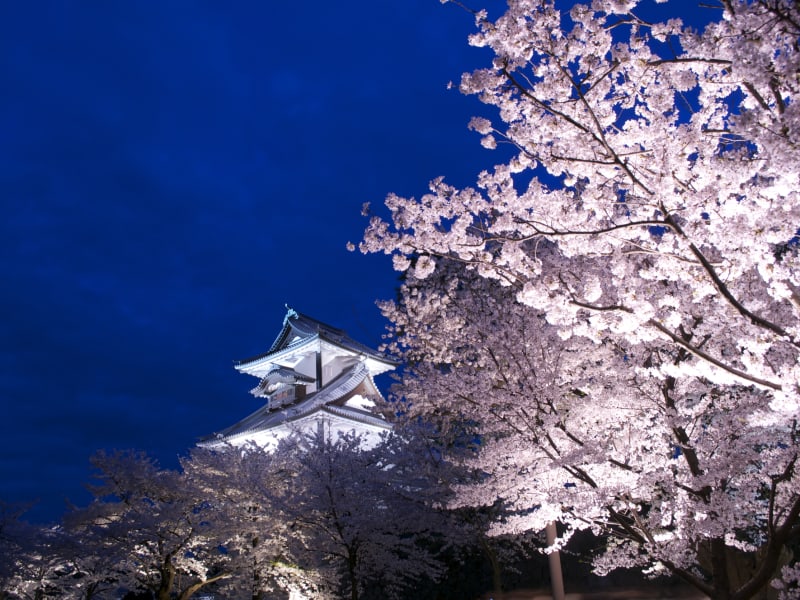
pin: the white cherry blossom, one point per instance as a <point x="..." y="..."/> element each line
<point x="647" y="231"/>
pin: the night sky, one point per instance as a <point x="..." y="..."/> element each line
<point x="171" y="175"/>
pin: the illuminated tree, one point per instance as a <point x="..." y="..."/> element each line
<point x="364" y="519"/>
<point x="242" y="483"/>
<point x="31" y="564"/>
<point x="642" y="243"/>
<point x="159" y="526"/>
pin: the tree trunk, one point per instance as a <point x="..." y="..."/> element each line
<point x="352" y="562"/>
<point x="497" y="575"/>
<point x="719" y="569"/>
<point x="554" y="559"/>
<point x="256" y="576"/>
<point x="167" y="579"/>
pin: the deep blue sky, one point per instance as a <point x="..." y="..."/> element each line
<point x="171" y="174"/>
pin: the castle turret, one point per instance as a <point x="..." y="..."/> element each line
<point x="313" y="376"/>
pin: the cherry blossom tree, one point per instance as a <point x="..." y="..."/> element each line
<point x="13" y="533"/>
<point x="258" y="539"/>
<point x="486" y="373"/>
<point x="326" y="518"/>
<point x="365" y="519"/>
<point x="315" y="517"/>
<point x="159" y="527"/>
<point x="32" y="565"/>
<point x="643" y="235"/>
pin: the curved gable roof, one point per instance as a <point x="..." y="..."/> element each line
<point x="298" y="328"/>
<point x="263" y="419"/>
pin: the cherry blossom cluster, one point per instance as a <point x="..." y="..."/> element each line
<point x="617" y="305"/>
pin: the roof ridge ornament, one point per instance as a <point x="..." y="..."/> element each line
<point x="290" y="314"/>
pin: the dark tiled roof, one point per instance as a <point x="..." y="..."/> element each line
<point x="286" y="375"/>
<point x="263" y="419"/>
<point x="278" y="375"/>
<point x="354" y="414"/>
<point x="299" y="325"/>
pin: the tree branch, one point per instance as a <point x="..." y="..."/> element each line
<point x="707" y="357"/>
<point x="723" y="289"/>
